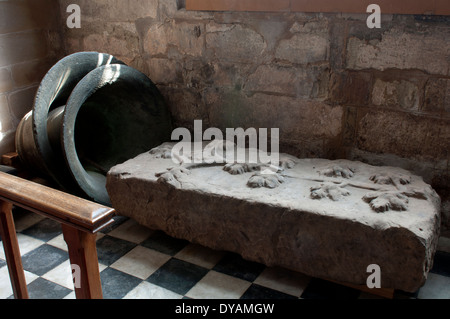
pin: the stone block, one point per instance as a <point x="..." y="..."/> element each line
<point x="113" y="10"/>
<point x="349" y="126"/>
<point x="274" y="79"/>
<point x="22" y="46"/>
<point x="25" y="15"/>
<point x="350" y="88"/>
<point x="5" y="115"/>
<point x="21" y="102"/>
<point x="185" y="105"/>
<point x="198" y="74"/>
<point x="163" y="71"/>
<point x="116" y="46"/>
<point x="295" y="117"/>
<point x="306" y="82"/>
<point x="309" y="43"/>
<point x="228" y="74"/>
<point x="6" y="83"/>
<point x="15" y="16"/>
<point x="234" y="43"/>
<point x="7" y="143"/>
<point x="327" y="219"/>
<point x="403" y="134"/>
<point x="403" y="94"/>
<point x="437" y="95"/>
<point x="182" y="37"/>
<point x="303" y="48"/>
<point x="30" y="72"/>
<point x="399" y="49"/>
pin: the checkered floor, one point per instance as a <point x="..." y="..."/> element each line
<point x="138" y="263"/>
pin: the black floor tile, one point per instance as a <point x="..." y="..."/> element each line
<point x="163" y="243"/>
<point x="259" y="292"/>
<point x="441" y="263"/>
<point x="322" y="289"/>
<point x="43" y="259"/>
<point x="177" y="275"/>
<point x="2" y="263"/>
<point x="110" y="249"/>
<point x="44" y="289"/>
<point x="44" y="230"/>
<point x="234" y="265"/>
<point x="116" y="284"/>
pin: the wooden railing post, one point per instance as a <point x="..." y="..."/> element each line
<point x="84" y="262"/>
<point x="12" y="252"/>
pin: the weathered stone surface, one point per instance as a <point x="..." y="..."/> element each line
<point x="21" y="102"/>
<point x="403" y="94"/>
<point x="163" y="71"/>
<point x="401" y="50"/>
<point x="274" y="79"/>
<point x="295" y="117"/>
<point x="22" y="46"/>
<point x="404" y="135"/>
<point x="185" y="38"/>
<point x="234" y="43"/>
<point x="113" y="10"/>
<point x="309" y="43"/>
<point x="5" y="116"/>
<point x="328" y="219"/>
<point x="350" y="88"/>
<point x="30" y="72"/>
<point x="437" y="95"/>
<point x="308" y="82"/>
<point x="6" y="83"/>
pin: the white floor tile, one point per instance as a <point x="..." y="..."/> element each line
<point x="5" y="283"/>
<point x="58" y="242"/>
<point x="289" y="282"/>
<point x="26" y="244"/>
<point x="131" y="231"/>
<point x="62" y="275"/>
<point x="200" y="255"/>
<point x="146" y="290"/>
<point x="216" y="285"/>
<point x="71" y="296"/>
<point x="141" y="262"/>
<point x="436" y="287"/>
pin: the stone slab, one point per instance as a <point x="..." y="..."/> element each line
<point x="326" y="218"/>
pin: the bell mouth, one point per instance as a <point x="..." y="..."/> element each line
<point x="113" y="114"/>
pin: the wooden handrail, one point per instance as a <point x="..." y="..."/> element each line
<point x="55" y="204"/>
<point x="80" y="220"/>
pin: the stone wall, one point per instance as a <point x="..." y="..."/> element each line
<point x="29" y="46"/>
<point x="334" y="87"/>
